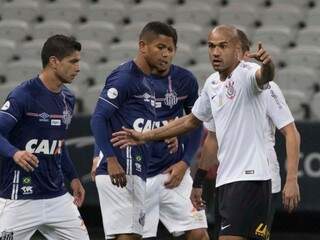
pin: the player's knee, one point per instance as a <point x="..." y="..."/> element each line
<point x="198" y="234"/>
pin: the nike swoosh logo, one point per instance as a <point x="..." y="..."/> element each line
<point x="224" y="227"/>
<point x="213" y="97"/>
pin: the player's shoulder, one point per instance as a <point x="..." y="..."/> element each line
<point x="213" y="79"/>
<point x="24" y="89"/>
<point x="181" y="71"/>
<point x="125" y="72"/>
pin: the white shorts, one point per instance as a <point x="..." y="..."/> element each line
<point x="122" y="209"/>
<point x="172" y="206"/>
<point x="56" y="218"/>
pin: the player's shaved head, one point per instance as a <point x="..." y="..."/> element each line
<point x="230" y="32"/>
<point x="153" y="29"/>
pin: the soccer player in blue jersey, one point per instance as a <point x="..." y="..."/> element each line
<point x="128" y="99"/>
<point x="168" y="176"/>
<point x="33" y="125"/>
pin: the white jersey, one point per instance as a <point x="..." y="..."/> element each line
<point x="278" y="116"/>
<point x="238" y="111"/>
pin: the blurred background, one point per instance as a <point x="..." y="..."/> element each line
<point x="108" y="31"/>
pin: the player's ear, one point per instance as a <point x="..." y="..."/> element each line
<point x="53" y="62"/>
<point x="142" y="46"/>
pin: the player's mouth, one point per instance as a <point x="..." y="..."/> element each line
<point x="163" y="63"/>
<point x="216" y="62"/>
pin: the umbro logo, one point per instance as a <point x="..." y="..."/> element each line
<point x="44" y="117"/>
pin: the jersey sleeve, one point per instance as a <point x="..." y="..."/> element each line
<point x="277" y="108"/>
<point x="193" y="89"/>
<point x="202" y="107"/>
<point x="210" y="125"/>
<point x="116" y="89"/>
<point x="67" y="165"/>
<point x="10" y="113"/>
<point x="251" y="81"/>
<point x="115" y="92"/>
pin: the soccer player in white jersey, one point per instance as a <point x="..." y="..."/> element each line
<point x="238" y="110"/>
<point x="33" y="127"/>
<point x="278" y="116"/>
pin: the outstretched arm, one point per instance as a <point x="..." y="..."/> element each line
<point x="177" y="127"/>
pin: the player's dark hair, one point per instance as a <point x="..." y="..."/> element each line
<point x="159" y="28"/>
<point x="59" y="46"/>
<point x="244" y="41"/>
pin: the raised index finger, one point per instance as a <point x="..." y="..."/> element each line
<point x="259" y="46"/>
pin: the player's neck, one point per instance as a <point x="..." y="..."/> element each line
<point x="142" y="64"/>
<point x="50" y="81"/>
<point x="225" y="74"/>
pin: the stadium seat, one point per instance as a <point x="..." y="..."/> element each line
<point x="123" y="51"/>
<point x="214" y="3"/>
<point x="282" y="15"/>
<point x="103" y="70"/>
<point x="146" y="11"/>
<point x="49" y="28"/>
<point x="111" y="11"/>
<point x="297" y="78"/>
<point x="198" y="13"/>
<point x="5" y="89"/>
<point x="309" y="36"/>
<point x="275" y="52"/>
<point x="241" y="14"/>
<point x="308" y="56"/>
<point x="315" y="106"/>
<point x="298" y="3"/>
<point x="7" y="49"/>
<point x="100" y="31"/>
<point x="190" y="33"/>
<point x="183" y="55"/>
<point x="91" y="96"/>
<point x="201" y="54"/>
<point x="202" y="71"/>
<point x="279" y="36"/>
<point x="295" y="100"/>
<point x="256" y="3"/>
<point x="92" y="51"/>
<point x="23" y="70"/>
<point x="82" y="79"/>
<point x="313" y="16"/>
<point x="15" y="30"/>
<point x="20" y="10"/>
<point x="69" y="11"/>
<point x="131" y="31"/>
<point x="32" y="49"/>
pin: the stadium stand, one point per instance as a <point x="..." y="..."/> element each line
<point x="108" y="29"/>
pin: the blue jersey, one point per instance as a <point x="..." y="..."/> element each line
<point x="126" y="100"/>
<point x="175" y="93"/>
<point x="37" y="120"/>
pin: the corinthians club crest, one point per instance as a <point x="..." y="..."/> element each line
<point x="170" y="98"/>
<point x="231" y="92"/>
<point x="66" y="118"/>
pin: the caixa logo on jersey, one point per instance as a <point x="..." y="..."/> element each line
<point x="44" y="146"/>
